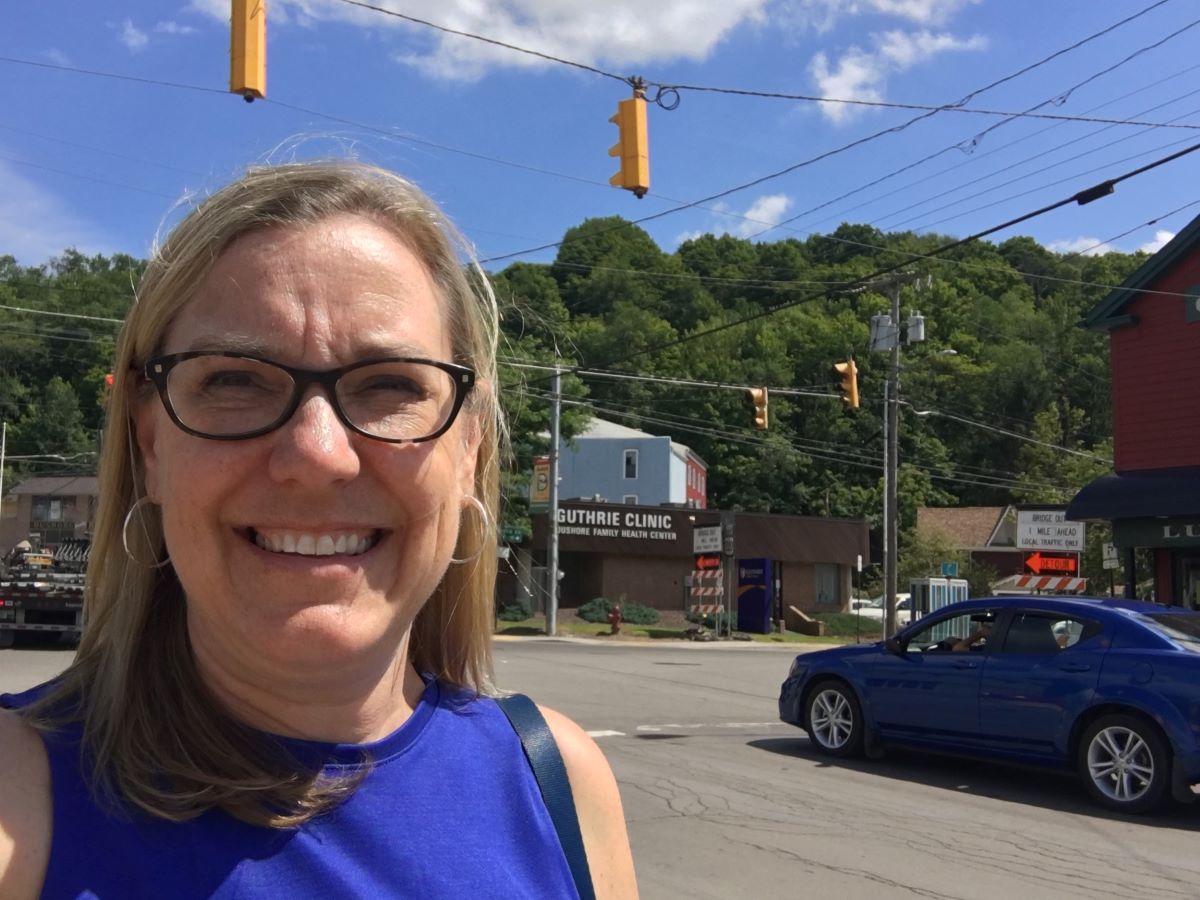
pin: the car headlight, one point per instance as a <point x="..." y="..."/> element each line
<point x="798" y="666"/>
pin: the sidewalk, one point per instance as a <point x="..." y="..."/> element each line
<point x="680" y="643"/>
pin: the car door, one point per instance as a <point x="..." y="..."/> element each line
<point x="928" y="693"/>
<point x="1044" y="671"/>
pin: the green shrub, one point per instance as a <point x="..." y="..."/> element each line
<point x="597" y="610"/>
<point x="637" y="614"/>
<point x="718" y="622"/>
<point x="516" y="610"/>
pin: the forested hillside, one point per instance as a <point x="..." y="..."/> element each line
<point x="1008" y="312"/>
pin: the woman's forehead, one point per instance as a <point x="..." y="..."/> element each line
<point x="344" y="286"/>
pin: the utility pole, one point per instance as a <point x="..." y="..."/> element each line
<point x="552" y="529"/>
<point x="3" y="443"/>
<point x="886" y="335"/>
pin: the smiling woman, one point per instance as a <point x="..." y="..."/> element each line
<point x="289" y="602"/>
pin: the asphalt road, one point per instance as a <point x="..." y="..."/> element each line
<point x="725" y="801"/>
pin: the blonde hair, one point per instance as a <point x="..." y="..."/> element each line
<point x="157" y="738"/>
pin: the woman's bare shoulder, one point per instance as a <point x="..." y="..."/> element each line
<point x="598" y="804"/>
<point x="25" y="808"/>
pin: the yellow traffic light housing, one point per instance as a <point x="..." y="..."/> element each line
<point x="632" y="147"/>
<point x="848" y="373"/>
<point x="248" y="49"/>
<point x="758" y="399"/>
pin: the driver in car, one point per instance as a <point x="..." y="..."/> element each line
<point x="977" y="639"/>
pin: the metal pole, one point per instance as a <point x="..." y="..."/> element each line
<point x="3" y="444"/>
<point x="893" y="550"/>
<point x="885" y="540"/>
<point x="552" y="529"/>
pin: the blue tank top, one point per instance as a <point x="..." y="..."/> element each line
<point x="449" y="809"/>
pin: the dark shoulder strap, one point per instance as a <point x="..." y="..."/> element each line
<point x="551" y="776"/>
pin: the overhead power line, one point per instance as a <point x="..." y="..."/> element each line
<point x="1088" y="195"/>
<point x="675" y="87"/>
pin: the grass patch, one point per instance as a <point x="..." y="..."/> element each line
<point x="839" y="629"/>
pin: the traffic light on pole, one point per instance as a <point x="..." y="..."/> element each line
<point x="848" y="373"/>
<point x="632" y="147"/>
<point x="248" y="49"/>
<point x="758" y="399"/>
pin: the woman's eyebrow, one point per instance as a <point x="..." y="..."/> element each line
<point x="231" y="343"/>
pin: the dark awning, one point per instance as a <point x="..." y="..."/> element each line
<point x="1138" y="495"/>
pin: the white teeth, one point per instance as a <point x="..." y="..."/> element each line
<point x="314" y="544"/>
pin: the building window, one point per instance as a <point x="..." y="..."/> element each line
<point x="49" y="509"/>
<point x="826" y="586"/>
<point x="630" y="498"/>
<point x="631" y="464"/>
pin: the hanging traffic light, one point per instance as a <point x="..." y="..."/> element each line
<point x="248" y="49"/>
<point x="632" y="147"/>
<point x="848" y="373"/>
<point x="758" y="399"/>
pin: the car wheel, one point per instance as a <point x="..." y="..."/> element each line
<point x="1125" y="764"/>
<point x="833" y="719"/>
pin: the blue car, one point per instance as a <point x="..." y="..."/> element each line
<point x="1109" y="688"/>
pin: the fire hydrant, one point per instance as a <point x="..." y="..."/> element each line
<point x="614" y="619"/>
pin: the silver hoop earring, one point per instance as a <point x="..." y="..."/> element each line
<point x="485" y="531"/>
<point x="137" y="504"/>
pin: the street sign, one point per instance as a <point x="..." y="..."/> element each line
<point x="511" y="534"/>
<point x="539" y="487"/>
<point x="1049" y="529"/>
<point x="1040" y="563"/>
<point x="1112" y="559"/>
<point x="707" y="561"/>
<point x="949" y="570"/>
<point x="706" y="539"/>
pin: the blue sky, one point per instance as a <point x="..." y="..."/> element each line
<point x="515" y="148"/>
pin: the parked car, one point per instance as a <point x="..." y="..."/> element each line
<point x="873" y="609"/>
<point x="1108" y="688"/>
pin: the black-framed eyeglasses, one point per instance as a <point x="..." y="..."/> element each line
<point x="234" y="396"/>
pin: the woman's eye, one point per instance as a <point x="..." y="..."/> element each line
<point x="232" y="379"/>
<point x="399" y="387"/>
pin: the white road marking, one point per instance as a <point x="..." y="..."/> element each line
<point x="676" y="726"/>
<point x="600" y="734"/>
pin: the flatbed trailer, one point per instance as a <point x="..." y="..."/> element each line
<point x="37" y="598"/>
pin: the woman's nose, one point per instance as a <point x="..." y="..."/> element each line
<point x="314" y="444"/>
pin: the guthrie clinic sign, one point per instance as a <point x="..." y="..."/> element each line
<point x="1049" y="529"/>
<point x="621" y="524"/>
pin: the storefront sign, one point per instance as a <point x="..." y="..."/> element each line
<point x="617" y="523"/>
<point x="1156" y="533"/>
<point x="1049" y="529"/>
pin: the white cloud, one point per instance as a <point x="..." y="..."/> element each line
<point x="762" y="215"/>
<point x="35" y="225"/>
<point x="615" y="33"/>
<point x="1087" y="246"/>
<point x="173" y="28"/>
<point x="1160" y="240"/>
<point x="132" y="37"/>
<point x="862" y="75"/>
<point x="215" y="9"/>
<point x="57" y="57"/>
<point x="822" y="15"/>
<point x="765" y="212"/>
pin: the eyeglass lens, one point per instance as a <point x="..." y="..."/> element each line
<point x="226" y="396"/>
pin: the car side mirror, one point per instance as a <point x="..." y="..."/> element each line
<point x="893" y="644"/>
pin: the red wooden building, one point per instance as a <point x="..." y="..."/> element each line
<point x="1153" y="497"/>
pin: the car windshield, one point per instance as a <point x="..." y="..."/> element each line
<point x="1181" y="627"/>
